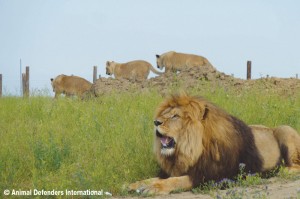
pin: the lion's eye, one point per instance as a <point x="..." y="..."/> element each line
<point x="175" y="116"/>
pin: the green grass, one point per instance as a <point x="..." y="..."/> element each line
<point x="104" y="143"/>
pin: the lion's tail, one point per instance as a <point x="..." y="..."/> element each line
<point x="155" y="71"/>
<point x="289" y="143"/>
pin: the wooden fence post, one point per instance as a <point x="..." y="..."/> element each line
<point x="23" y="83"/>
<point x="0" y="85"/>
<point x="248" y="69"/>
<point x="297" y="76"/>
<point x="95" y="74"/>
<point x="27" y="82"/>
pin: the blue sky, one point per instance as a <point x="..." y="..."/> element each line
<point x="70" y="37"/>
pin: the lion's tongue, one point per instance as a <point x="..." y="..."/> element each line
<point x="165" y="140"/>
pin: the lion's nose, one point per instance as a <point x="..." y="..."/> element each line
<point x="157" y="123"/>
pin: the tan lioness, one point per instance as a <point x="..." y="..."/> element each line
<point x="70" y="85"/>
<point x="174" y="61"/>
<point x="134" y="70"/>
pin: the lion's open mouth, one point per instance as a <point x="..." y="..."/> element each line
<point x="166" y="141"/>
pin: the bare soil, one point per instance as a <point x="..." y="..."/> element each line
<point x="274" y="188"/>
<point x="193" y="79"/>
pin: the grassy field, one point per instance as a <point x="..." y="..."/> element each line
<point x="104" y="143"/>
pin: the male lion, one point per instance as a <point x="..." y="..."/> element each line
<point x="134" y="70"/>
<point x="196" y="142"/>
<point x="70" y="85"/>
<point x="174" y="61"/>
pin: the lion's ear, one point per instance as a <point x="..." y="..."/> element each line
<point x="205" y="112"/>
<point x="157" y="56"/>
<point x="107" y="63"/>
<point x="197" y="110"/>
<point x="51" y="79"/>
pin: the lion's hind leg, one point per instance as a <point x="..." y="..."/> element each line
<point x="289" y="142"/>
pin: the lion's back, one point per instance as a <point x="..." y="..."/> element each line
<point x="181" y="61"/>
<point x="72" y="84"/>
<point x="77" y="83"/>
<point x="138" y="69"/>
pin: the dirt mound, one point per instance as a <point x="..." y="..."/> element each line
<point x="194" y="78"/>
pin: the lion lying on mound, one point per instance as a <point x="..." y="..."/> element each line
<point x="196" y="142"/>
<point x="134" y="70"/>
<point x="70" y="85"/>
<point x="174" y="61"/>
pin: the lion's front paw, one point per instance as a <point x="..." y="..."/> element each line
<point x="148" y="190"/>
<point x="154" y="189"/>
<point x="148" y="187"/>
